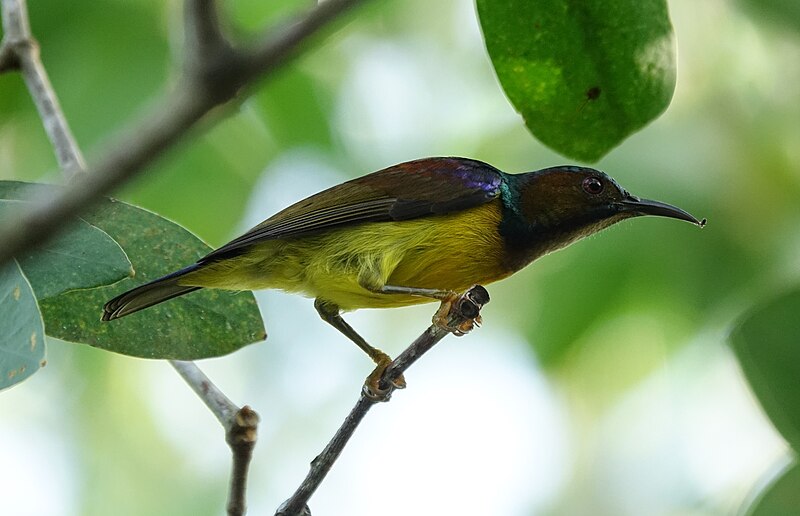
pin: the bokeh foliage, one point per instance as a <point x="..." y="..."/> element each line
<point x="602" y="316"/>
<point x="767" y="344"/>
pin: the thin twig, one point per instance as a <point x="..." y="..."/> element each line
<point x="280" y="43"/>
<point x="216" y="401"/>
<point x="241" y="437"/>
<point x="19" y="43"/>
<point x="8" y="58"/>
<point x="19" y="50"/>
<point x="461" y="315"/>
<point x="240" y="424"/>
<point x="199" y="92"/>
<point x="16" y="30"/>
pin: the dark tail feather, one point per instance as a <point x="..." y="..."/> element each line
<point x="148" y="295"/>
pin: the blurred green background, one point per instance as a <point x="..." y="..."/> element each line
<point x="601" y="382"/>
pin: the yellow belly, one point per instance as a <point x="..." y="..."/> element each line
<point x="448" y="252"/>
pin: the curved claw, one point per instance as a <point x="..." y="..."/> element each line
<point x="372" y="385"/>
<point x="468" y="304"/>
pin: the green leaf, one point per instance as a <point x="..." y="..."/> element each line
<point x="203" y="324"/>
<point x="767" y="344"/>
<point x="781" y="496"/>
<point x="82" y="257"/>
<point x="583" y="74"/>
<point x="22" y="345"/>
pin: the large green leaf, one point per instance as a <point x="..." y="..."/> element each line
<point x="21" y="328"/>
<point x="781" y="497"/>
<point x="767" y="344"/>
<point x="199" y="325"/>
<point x="82" y="257"/>
<point x="583" y="74"/>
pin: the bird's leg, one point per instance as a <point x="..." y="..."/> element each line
<point x="447" y="297"/>
<point x="422" y="292"/>
<point x="330" y="313"/>
<point x="370" y="278"/>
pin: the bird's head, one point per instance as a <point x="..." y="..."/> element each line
<point x="559" y="205"/>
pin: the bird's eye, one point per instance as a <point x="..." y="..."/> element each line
<point x="592" y="185"/>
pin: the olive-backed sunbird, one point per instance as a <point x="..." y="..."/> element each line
<point x="411" y="233"/>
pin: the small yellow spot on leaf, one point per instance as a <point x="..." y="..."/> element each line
<point x="12" y="374"/>
<point x="33" y="341"/>
<point x="17" y="293"/>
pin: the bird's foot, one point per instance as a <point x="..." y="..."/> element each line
<point x="467" y="305"/>
<point x="372" y="385"/>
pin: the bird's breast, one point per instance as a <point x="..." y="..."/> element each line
<point x="454" y="251"/>
<point x="447" y="252"/>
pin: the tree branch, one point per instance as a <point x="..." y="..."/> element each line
<point x="203" y="31"/>
<point x="19" y="50"/>
<point x="202" y="88"/>
<point x="278" y="44"/>
<point x="242" y="439"/>
<point x="8" y="59"/>
<point x="240" y="424"/>
<point x="216" y="401"/>
<point x="461" y="315"/>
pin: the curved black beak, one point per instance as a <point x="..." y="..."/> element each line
<point x="639" y="206"/>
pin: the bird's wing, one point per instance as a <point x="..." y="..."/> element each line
<point x="409" y="190"/>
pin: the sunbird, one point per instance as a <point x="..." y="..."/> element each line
<point x="412" y="233"/>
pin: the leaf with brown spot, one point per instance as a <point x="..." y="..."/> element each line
<point x="22" y="327"/>
<point x="554" y="58"/>
<point x="202" y="324"/>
